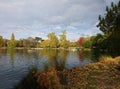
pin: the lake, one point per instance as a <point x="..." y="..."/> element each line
<point x="15" y="63"/>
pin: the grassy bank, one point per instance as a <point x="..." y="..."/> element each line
<point x="101" y="75"/>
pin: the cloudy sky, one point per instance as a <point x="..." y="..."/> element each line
<point x="31" y="18"/>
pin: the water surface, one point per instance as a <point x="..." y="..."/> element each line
<point x="15" y="63"/>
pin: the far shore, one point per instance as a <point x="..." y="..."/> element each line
<point x="69" y="48"/>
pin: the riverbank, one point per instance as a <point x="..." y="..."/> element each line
<point x="101" y="75"/>
<point x="60" y="48"/>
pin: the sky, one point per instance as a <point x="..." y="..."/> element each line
<point x="37" y="18"/>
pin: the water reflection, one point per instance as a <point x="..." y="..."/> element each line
<point x="46" y="59"/>
<point x="2" y="53"/>
<point x="55" y="58"/>
<point x="77" y="59"/>
<point x="11" y="52"/>
<point x="62" y="57"/>
<point x="80" y="56"/>
<point x="15" y="63"/>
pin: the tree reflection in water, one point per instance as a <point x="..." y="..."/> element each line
<point x="55" y="58"/>
<point x="11" y="52"/>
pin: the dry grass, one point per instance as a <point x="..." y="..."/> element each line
<point x="106" y="59"/>
<point x="101" y="75"/>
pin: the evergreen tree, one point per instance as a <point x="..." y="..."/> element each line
<point x="110" y="26"/>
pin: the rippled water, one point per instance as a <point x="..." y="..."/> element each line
<point x="15" y="64"/>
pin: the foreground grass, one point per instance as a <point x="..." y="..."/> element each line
<point x="101" y="75"/>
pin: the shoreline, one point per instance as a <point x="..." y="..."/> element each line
<point x="60" y="48"/>
<point x="100" y="75"/>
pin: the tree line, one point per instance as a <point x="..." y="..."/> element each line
<point x="27" y="43"/>
<point x="52" y="41"/>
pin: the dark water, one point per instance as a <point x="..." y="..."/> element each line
<point x="15" y="64"/>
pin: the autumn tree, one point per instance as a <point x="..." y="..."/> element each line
<point x="1" y="41"/>
<point x="63" y="40"/>
<point x="45" y="44"/>
<point x="81" y="41"/>
<point x="12" y="42"/>
<point x="53" y="39"/>
<point x="53" y="42"/>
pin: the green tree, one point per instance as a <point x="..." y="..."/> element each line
<point x="53" y="40"/>
<point x="110" y="26"/>
<point x="63" y="40"/>
<point x="37" y="39"/>
<point x="87" y="43"/>
<point x="12" y="42"/>
<point x="1" y="41"/>
<point x="100" y="43"/>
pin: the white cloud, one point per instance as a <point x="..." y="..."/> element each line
<point x="42" y="16"/>
<point x="108" y="2"/>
